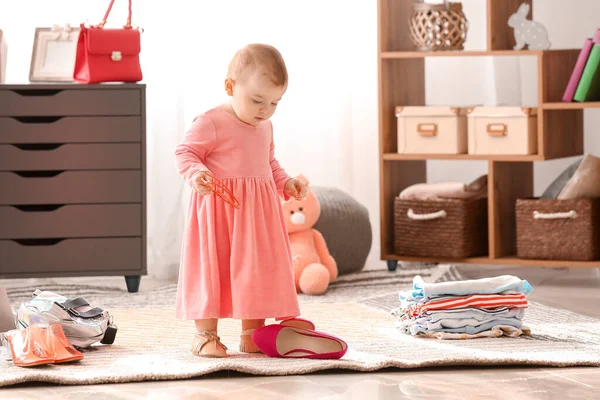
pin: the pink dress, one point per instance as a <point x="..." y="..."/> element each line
<point x="235" y="263"/>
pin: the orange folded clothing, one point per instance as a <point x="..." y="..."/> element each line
<point x="41" y="344"/>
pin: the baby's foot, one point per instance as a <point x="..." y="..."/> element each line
<point x="246" y="343"/>
<point x="208" y="344"/>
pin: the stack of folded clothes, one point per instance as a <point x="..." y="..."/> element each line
<point x="451" y="190"/>
<point x="489" y="307"/>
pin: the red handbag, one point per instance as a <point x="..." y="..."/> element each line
<point x="108" y="55"/>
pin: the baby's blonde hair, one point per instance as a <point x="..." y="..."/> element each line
<point x="259" y="57"/>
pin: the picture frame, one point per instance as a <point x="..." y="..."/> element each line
<point x="53" y="54"/>
<point x="3" y="55"/>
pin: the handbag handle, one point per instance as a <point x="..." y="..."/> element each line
<point x="127" y="26"/>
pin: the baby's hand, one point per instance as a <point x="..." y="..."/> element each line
<point x="201" y="183"/>
<point x="295" y="188"/>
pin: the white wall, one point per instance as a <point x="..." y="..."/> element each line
<point x="460" y="81"/>
<point x="510" y="80"/>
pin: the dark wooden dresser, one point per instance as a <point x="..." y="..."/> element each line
<point x="73" y="181"/>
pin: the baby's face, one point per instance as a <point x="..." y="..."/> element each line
<point x="255" y="98"/>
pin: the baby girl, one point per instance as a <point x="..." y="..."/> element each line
<point x="236" y="262"/>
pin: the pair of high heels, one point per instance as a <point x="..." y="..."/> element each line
<point x="41" y="344"/>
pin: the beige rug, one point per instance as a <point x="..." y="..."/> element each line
<point x="153" y="345"/>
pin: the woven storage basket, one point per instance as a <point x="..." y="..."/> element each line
<point x="451" y="228"/>
<point x="438" y="26"/>
<point x="558" y="229"/>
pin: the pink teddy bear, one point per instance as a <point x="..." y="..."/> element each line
<point x="314" y="267"/>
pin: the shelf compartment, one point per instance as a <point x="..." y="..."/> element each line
<point x="552" y="55"/>
<point x="460" y="53"/>
<point x="507" y="181"/>
<point x="554" y="71"/>
<point x="394" y="178"/>
<point x="562" y="133"/>
<point x="392" y="18"/>
<point x="571" y="106"/>
<point x="470" y="260"/>
<point x="512" y="260"/>
<point x="401" y="82"/>
<point x="509" y="260"/>
<point x="500" y="36"/>
<point x="474" y="157"/>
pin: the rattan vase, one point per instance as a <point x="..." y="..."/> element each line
<point x="435" y="27"/>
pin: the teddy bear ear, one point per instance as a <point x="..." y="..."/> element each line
<point x="303" y="179"/>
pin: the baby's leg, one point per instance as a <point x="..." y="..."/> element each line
<point x="207" y="325"/>
<point x="206" y="342"/>
<point x="248" y="327"/>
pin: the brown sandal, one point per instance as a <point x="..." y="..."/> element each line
<point x="208" y="344"/>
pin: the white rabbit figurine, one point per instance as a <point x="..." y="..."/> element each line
<point x="528" y="32"/>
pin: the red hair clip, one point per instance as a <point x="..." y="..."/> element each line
<point x="218" y="188"/>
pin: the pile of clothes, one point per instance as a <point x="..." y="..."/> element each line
<point x="450" y="190"/>
<point x="489" y="307"/>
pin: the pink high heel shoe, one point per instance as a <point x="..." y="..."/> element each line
<point x="290" y="342"/>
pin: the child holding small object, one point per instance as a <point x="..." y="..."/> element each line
<point x="235" y="260"/>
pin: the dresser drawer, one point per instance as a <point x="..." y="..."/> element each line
<point x="70" y="221"/>
<point x="70" y="129"/>
<point x="66" y="102"/>
<point x="70" y="255"/>
<point x="32" y="157"/>
<point x="70" y="187"/>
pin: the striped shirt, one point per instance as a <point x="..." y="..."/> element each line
<point x="485" y="301"/>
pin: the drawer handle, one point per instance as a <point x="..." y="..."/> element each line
<point x="497" y="130"/>
<point x="37" y="242"/>
<point x="560" y="215"/>
<point x="37" y="120"/>
<point x="37" y="174"/>
<point x="39" y="207"/>
<point x="427" y="129"/>
<point x="38" y="146"/>
<point x="38" y="92"/>
<point x="425" y="217"/>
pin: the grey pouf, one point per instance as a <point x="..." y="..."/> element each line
<point x="345" y="225"/>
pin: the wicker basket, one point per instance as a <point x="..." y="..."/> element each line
<point x="438" y="26"/>
<point x="558" y="229"/>
<point x="452" y="228"/>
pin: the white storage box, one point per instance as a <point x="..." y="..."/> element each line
<point x="502" y="130"/>
<point x="432" y="130"/>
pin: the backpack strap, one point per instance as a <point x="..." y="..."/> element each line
<point x="71" y="305"/>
